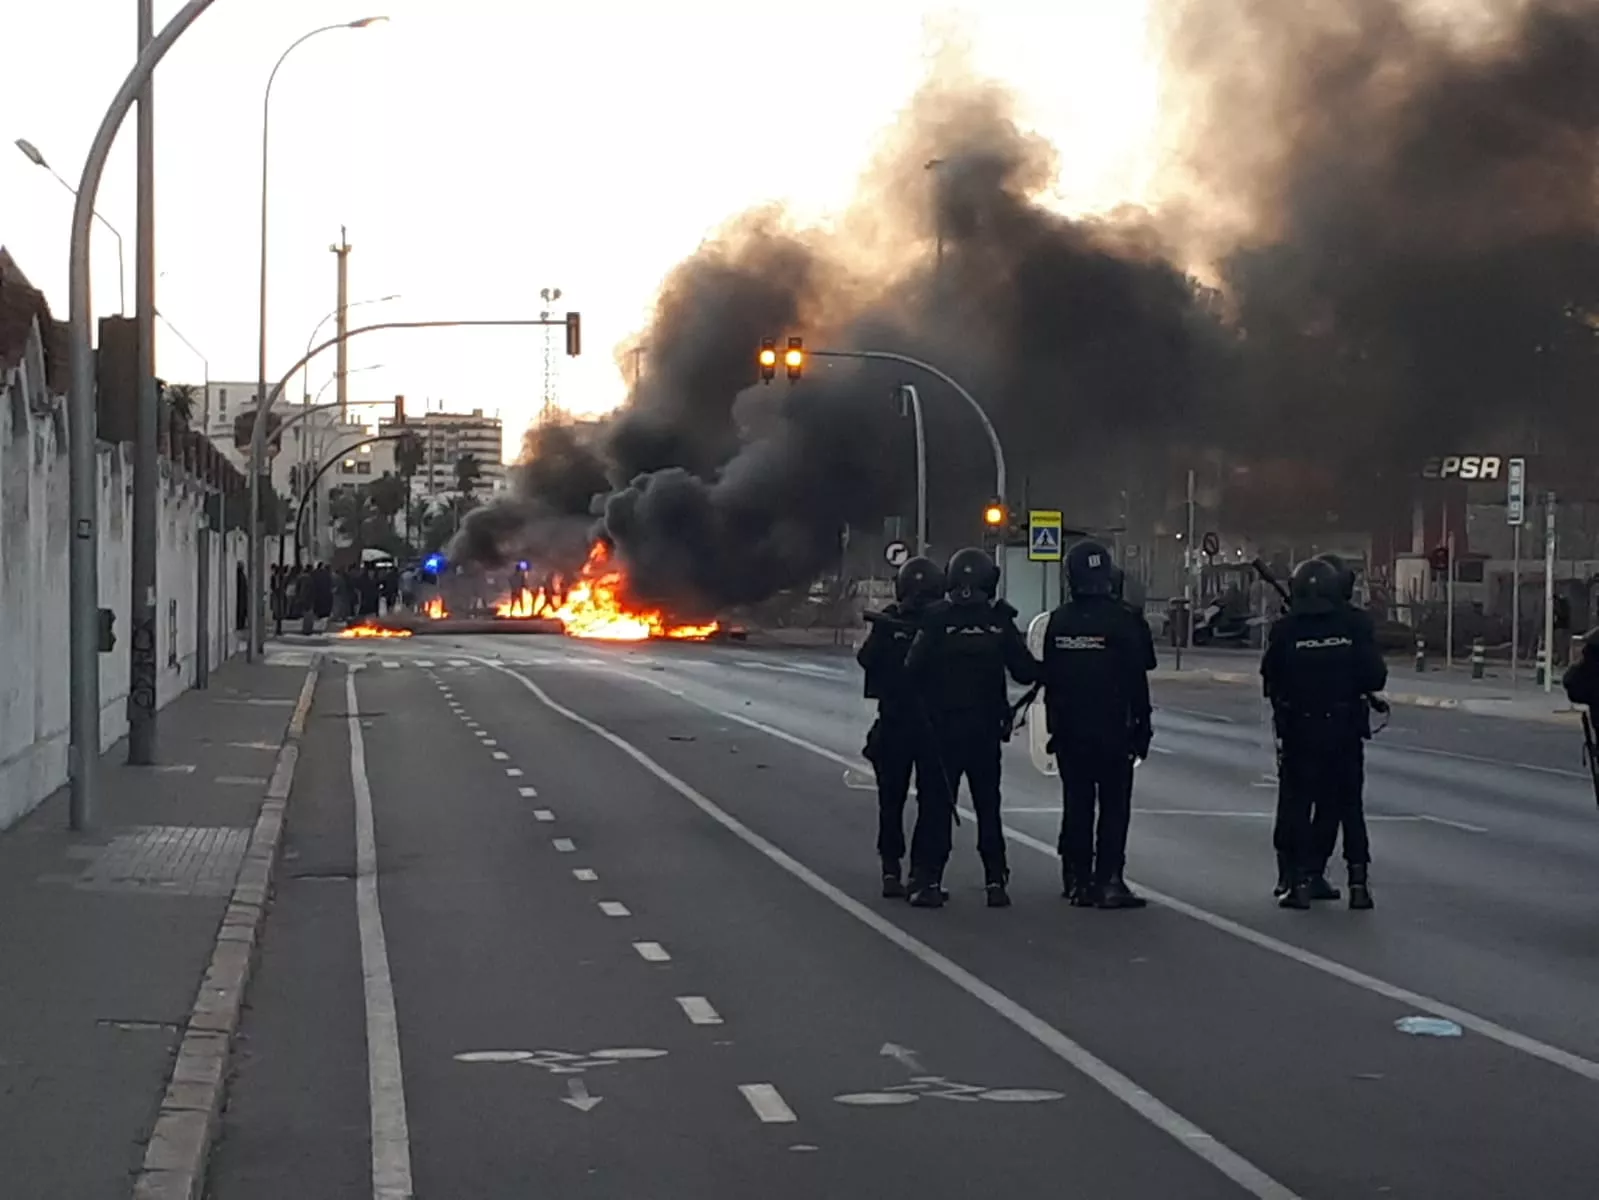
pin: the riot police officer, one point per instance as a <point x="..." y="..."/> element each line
<point x="1097" y="655"/>
<point x="1326" y="820"/>
<point x="1319" y="666"/>
<point x="1581" y="679"/>
<point x="959" y="662"/>
<point x="901" y="741"/>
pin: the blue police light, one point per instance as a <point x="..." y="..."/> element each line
<point x="521" y="566"/>
<point x="434" y="563"/>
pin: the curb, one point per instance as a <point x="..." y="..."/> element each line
<point x="1480" y="706"/>
<point x="186" y="1126"/>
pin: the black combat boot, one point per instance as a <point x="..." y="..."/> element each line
<point x="926" y="891"/>
<point x="1359" y="893"/>
<point x="998" y="897"/>
<point x="1285" y="877"/>
<point x="1114" y="893"/>
<point x="1067" y="884"/>
<point x="1085" y="892"/>
<point x="893" y="889"/>
<point x="1298" y="894"/>
<point x="1320" y="889"/>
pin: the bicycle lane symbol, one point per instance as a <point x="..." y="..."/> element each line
<point x="936" y="1087"/>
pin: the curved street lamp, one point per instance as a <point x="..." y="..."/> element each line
<point x="311" y="341"/>
<point x="261" y="358"/>
<point x="38" y="160"/>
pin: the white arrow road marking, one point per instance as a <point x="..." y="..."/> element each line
<point x="768" y="1104"/>
<point x="578" y="1096"/>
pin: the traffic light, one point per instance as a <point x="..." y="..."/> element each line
<point x="768" y="359"/>
<point x="399" y="410"/>
<point x="994" y="515"/>
<point x="1438" y="558"/>
<point x="574" y="334"/>
<point x="794" y="360"/>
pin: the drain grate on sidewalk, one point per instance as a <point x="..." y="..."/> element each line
<point x="171" y="860"/>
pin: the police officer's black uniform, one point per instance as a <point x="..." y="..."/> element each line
<point x="1320" y="664"/>
<point x="959" y="662"/>
<point x="1096" y="693"/>
<point x="901" y="740"/>
<point x="1581" y="680"/>
<point x="1325" y="819"/>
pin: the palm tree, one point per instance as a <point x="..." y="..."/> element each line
<point x="387" y="493"/>
<point x="183" y="399"/>
<point x="468" y="472"/>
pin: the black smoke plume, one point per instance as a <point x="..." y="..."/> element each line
<point x="1395" y="217"/>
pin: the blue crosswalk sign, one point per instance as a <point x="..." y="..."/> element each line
<point x="1044" y="535"/>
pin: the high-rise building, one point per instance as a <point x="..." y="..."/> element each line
<point x="446" y="438"/>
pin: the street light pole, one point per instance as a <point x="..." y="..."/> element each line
<point x="311" y="341"/>
<point x="38" y="160"/>
<point x="83" y="488"/>
<point x="971" y="401"/>
<point x="911" y="398"/>
<point x="258" y="443"/>
<point x="258" y="561"/>
<point x="145" y="540"/>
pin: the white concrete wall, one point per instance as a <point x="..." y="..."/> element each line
<point x="34" y="530"/>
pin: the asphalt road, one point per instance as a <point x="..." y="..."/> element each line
<point x="658" y="860"/>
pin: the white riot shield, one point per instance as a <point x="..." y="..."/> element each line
<point x="1037" y="725"/>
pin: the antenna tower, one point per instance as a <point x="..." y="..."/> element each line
<point x="547" y="412"/>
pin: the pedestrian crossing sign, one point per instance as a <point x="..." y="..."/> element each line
<point x="1044" y="535"/>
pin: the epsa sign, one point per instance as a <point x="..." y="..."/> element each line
<point x="1463" y="466"/>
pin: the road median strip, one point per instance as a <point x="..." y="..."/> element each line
<point x="191" y="1108"/>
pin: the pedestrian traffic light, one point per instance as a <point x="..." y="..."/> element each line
<point x="574" y="334"/>
<point x="994" y="515"/>
<point x="768" y="359"/>
<point x="794" y="360"/>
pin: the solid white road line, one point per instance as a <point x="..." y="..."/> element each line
<point x="585" y="874"/>
<point x="543" y="814"/>
<point x="391" y="1136"/>
<point x="1574" y="1063"/>
<point x="1229" y="1162"/>
<point x="698" y="1010"/>
<point x="424" y="664"/>
<point x="614" y="908"/>
<point x="652" y="952"/>
<point x="527" y="793"/>
<point x="769" y="1106"/>
<point x="563" y="845"/>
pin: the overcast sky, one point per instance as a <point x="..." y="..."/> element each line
<point x="480" y="150"/>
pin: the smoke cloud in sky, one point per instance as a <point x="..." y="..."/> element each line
<point x="1392" y="205"/>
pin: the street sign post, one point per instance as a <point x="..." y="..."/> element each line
<point x="1516" y="515"/>
<point x="1211" y="544"/>
<point x="1044" y="535"/>
<point x="897" y="554"/>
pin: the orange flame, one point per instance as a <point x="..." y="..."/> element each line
<point x="434" y="609"/>
<point x="591" y="608"/>
<point x="373" y="631"/>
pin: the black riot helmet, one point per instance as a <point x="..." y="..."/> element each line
<point x="1089" y="570"/>
<point x="1316" y="587"/>
<point x="919" y="580"/>
<point x="1590" y="645"/>
<point x="973" y="576"/>
<point x="1346" y="576"/>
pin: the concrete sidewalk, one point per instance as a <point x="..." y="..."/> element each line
<point x="105" y="938"/>
<point x="1492" y="696"/>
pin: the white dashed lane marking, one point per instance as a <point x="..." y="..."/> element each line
<point x="585" y="875"/>
<point x="543" y="814"/>
<point x="614" y="908"/>
<point x="698" y="1010"/>
<point x="768" y="1104"/>
<point x="652" y="952"/>
<point x="514" y="772"/>
<point x="563" y="845"/>
<point x="527" y="793"/>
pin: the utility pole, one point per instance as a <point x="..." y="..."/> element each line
<point x="1190" y="562"/>
<point x="342" y="369"/>
<point x="146" y="450"/>
<point x="1548" y="592"/>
